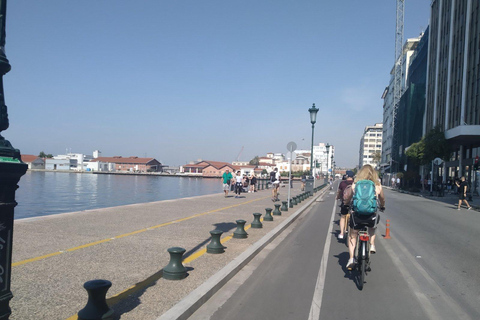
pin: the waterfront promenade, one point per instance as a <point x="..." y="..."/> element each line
<point x="53" y="256"/>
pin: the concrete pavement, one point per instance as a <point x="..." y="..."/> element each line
<point x="54" y="256"/>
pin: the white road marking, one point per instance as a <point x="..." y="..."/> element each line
<point x="319" y="286"/>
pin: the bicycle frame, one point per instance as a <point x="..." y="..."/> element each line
<point x="362" y="254"/>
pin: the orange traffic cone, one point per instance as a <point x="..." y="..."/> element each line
<point x="387" y="232"/>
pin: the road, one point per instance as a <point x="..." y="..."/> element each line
<point x="428" y="270"/>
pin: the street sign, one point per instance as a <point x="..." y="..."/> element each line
<point x="291" y="146"/>
<point x="437" y="161"/>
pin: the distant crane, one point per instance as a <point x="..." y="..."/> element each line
<point x="239" y="154"/>
<point x="397" y="82"/>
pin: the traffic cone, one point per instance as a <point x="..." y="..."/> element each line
<point x="387" y="232"/>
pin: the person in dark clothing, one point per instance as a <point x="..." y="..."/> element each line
<point x="462" y="192"/>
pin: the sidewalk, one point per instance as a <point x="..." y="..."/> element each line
<point x="449" y="198"/>
<point x="54" y="256"/>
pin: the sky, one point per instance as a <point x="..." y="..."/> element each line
<point x="181" y="80"/>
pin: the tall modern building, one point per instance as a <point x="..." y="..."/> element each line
<point x="411" y="109"/>
<point x="322" y="157"/>
<point x="370" y="144"/>
<point x="453" y="80"/>
<point x="389" y="162"/>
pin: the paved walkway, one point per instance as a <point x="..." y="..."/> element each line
<point x="54" y="256"/>
<point x="450" y="198"/>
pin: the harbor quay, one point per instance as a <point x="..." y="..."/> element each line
<point x="54" y="256"/>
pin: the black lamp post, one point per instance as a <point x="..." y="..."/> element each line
<point x="313" y="118"/>
<point x="331" y="163"/>
<point x="11" y="169"/>
<point x="328" y="152"/>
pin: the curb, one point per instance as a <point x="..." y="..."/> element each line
<point x="188" y="305"/>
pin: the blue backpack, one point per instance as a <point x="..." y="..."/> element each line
<point x="364" y="198"/>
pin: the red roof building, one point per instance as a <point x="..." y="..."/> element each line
<point x="33" y="162"/>
<point x="135" y="164"/>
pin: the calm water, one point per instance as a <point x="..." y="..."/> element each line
<point x="45" y="193"/>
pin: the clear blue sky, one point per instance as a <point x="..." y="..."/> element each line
<point x="183" y="80"/>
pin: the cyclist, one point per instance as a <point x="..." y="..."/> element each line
<point x="275" y="179"/>
<point x="366" y="173"/>
<point x="343" y="209"/>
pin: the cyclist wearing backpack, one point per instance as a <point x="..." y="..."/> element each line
<point x="344" y="209"/>
<point x="367" y="190"/>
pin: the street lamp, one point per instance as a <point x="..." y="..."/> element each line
<point x="11" y="169"/>
<point x="328" y="152"/>
<point x="313" y="118"/>
<point x="331" y="163"/>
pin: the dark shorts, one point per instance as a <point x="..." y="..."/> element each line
<point x="461" y="196"/>
<point x="343" y="210"/>
<point x="358" y="221"/>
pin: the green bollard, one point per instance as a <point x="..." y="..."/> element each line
<point x="268" y="214"/>
<point x="215" y="246"/>
<point x="257" y="224"/>
<point x="96" y="307"/>
<point x="284" y="206"/>
<point x="277" y="212"/>
<point x="240" y="233"/>
<point x="175" y="269"/>
<point x="291" y="204"/>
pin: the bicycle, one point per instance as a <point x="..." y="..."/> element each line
<point x="362" y="255"/>
<point x="346" y="230"/>
<point x="362" y="251"/>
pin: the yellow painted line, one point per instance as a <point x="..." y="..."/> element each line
<point x="155" y="277"/>
<point x="36" y="259"/>
<point x="19" y="263"/>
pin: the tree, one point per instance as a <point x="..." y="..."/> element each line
<point x="416" y="152"/>
<point x="377" y="157"/>
<point x="255" y="161"/>
<point x="436" y="145"/>
<point x="44" y="155"/>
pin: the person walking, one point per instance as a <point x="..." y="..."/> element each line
<point x="462" y="193"/>
<point x="227" y="178"/>
<point x="275" y="179"/>
<point x="253" y="182"/>
<point x="238" y="184"/>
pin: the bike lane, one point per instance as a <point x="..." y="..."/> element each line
<point x="286" y="283"/>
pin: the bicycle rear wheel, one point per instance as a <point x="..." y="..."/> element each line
<point x="346" y="231"/>
<point x="363" y="265"/>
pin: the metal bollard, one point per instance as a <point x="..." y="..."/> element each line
<point x="175" y="269"/>
<point x="257" y="224"/>
<point x="291" y="204"/>
<point x="240" y="233"/>
<point x="96" y="307"/>
<point x="268" y="214"/>
<point x="284" y="206"/>
<point x="276" y="211"/>
<point x="215" y="246"/>
<point x="294" y="200"/>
